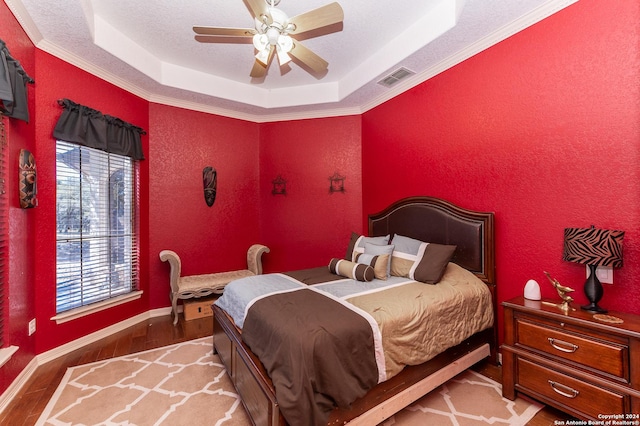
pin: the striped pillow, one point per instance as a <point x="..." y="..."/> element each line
<point x="355" y="271"/>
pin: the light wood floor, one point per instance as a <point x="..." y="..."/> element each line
<point x="29" y="403"/>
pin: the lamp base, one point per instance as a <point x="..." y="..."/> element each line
<point x="593" y="307"/>
<point x="593" y="291"/>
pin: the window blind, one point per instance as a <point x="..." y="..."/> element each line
<point x="96" y="249"/>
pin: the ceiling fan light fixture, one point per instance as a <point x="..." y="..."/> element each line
<point x="285" y="43"/>
<point x="273" y="34"/>
<point x="260" y="42"/>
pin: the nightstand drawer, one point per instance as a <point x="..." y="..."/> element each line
<point x="566" y="391"/>
<point x="606" y="357"/>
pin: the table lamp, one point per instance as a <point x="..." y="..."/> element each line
<point x="593" y="247"/>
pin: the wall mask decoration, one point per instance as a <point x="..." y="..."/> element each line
<point x="210" y="182"/>
<point x="279" y="186"/>
<point x="337" y="183"/>
<point x="27" y="180"/>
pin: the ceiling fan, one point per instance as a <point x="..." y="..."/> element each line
<point x="275" y="34"/>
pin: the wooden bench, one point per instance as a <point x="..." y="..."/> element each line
<point x="187" y="287"/>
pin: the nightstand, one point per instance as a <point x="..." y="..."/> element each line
<point x="571" y="361"/>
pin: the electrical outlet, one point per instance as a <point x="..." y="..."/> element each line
<point x="604" y="274"/>
<point x="32" y="326"/>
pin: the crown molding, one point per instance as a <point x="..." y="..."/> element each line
<point x="25" y="21"/>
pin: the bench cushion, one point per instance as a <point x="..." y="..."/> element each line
<point x="213" y="282"/>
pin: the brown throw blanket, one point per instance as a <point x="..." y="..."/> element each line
<point x="318" y="353"/>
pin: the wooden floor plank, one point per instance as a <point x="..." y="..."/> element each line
<point x="29" y="403"/>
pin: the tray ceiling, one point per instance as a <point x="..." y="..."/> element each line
<point x="148" y="48"/>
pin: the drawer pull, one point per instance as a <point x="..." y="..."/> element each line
<point x="563" y="346"/>
<point x="568" y="392"/>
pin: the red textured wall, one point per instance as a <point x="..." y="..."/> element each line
<point x="18" y="276"/>
<point x="543" y="129"/>
<point x="207" y="239"/>
<point x="309" y="226"/>
<point x="56" y="79"/>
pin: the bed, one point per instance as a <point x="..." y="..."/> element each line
<point x="425" y="219"/>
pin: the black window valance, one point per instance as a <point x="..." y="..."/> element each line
<point x="13" y="86"/>
<point x="86" y="126"/>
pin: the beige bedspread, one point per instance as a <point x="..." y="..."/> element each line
<point x="418" y="321"/>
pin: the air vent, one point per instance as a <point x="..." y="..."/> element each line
<point x="396" y="77"/>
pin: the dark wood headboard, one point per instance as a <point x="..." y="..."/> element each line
<point x="435" y="220"/>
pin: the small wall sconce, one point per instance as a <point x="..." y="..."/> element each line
<point x="279" y="186"/>
<point x="337" y="183"/>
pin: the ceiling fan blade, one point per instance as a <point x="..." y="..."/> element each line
<point x="259" y="9"/>
<point x="223" y="39"/>
<point x="317" y="18"/>
<point x="259" y="70"/>
<point x="307" y="57"/>
<point x="223" y="31"/>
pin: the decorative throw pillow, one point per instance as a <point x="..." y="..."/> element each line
<point x="420" y="261"/>
<point x="355" y="271"/>
<point x="357" y="242"/>
<point x="379" y="263"/>
<point x="383" y="263"/>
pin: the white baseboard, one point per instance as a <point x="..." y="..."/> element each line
<point x="13" y="389"/>
<point x="15" y="386"/>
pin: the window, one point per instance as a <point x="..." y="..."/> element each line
<point x="96" y="248"/>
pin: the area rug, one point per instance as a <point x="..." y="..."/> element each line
<point x="186" y="384"/>
<point x="467" y="399"/>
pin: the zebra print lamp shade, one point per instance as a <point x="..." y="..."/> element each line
<point x="593" y="247"/>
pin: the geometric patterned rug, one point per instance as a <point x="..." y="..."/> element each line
<point x="182" y="384"/>
<point x="185" y="384"/>
<point x="468" y="399"/>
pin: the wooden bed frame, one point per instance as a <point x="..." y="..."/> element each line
<point x="424" y="218"/>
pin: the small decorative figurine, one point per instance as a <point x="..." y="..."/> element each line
<point x="562" y="291"/>
<point x="210" y="182"/>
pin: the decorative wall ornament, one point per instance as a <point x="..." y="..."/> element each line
<point x="279" y="186"/>
<point x="337" y="183"/>
<point x="210" y="182"/>
<point x="27" y="180"/>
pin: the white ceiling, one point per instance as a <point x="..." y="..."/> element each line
<point x="148" y="48"/>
